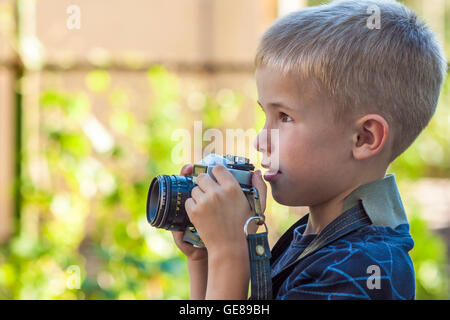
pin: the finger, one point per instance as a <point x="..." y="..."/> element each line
<point x="224" y="177"/>
<point x="189" y="206"/>
<point x="182" y="245"/>
<point x="197" y="194"/>
<point x="186" y="170"/>
<point x="206" y="183"/>
<point x="177" y="236"/>
<point x="260" y="185"/>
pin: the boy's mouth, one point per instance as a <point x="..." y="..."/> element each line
<point x="271" y="175"/>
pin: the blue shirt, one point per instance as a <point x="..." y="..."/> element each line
<point x="368" y="263"/>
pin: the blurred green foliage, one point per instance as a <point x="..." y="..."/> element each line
<point x="84" y="234"/>
<point x="90" y="222"/>
<point x="430" y="261"/>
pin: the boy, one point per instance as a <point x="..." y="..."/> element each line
<point x="346" y="99"/>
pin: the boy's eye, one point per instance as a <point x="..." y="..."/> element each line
<point x="284" y="117"/>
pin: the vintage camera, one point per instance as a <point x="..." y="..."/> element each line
<point x="168" y="193"/>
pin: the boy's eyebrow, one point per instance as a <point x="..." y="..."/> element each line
<point x="275" y="105"/>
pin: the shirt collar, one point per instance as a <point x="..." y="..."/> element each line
<point x="381" y="201"/>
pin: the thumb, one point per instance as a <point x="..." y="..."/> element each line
<point x="260" y="185"/>
<point x="186" y="170"/>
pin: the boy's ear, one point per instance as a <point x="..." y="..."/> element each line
<point x="370" y="136"/>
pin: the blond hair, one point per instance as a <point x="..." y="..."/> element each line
<point x="396" y="71"/>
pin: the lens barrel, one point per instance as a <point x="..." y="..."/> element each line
<point x="165" y="202"/>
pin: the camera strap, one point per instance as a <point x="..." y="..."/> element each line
<point x="259" y="253"/>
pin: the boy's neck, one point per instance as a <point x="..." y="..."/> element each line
<point x="324" y="213"/>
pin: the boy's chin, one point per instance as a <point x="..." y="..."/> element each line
<point x="292" y="196"/>
<point x="285" y="199"/>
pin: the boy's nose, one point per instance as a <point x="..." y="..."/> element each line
<point x="262" y="142"/>
<point x="256" y="143"/>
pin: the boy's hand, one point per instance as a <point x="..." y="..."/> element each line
<point x="189" y="250"/>
<point x="219" y="210"/>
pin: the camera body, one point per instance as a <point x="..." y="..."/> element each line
<point x="168" y="193"/>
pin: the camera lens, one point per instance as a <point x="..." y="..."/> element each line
<point x="165" y="202"/>
<point x="156" y="200"/>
